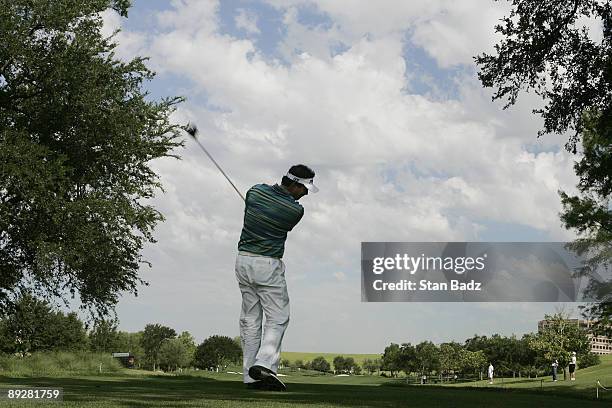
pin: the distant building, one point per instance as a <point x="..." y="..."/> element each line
<point x="599" y="344"/>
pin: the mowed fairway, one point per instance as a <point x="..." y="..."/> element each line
<point x="226" y="390"/>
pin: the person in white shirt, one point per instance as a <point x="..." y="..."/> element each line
<point x="572" y="367"/>
<point x="555" y="364"/>
<point x="490" y="373"/>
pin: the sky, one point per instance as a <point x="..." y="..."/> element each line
<point x="382" y="100"/>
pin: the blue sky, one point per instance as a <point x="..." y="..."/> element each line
<point x="382" y="100"/>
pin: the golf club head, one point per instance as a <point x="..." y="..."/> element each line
<point x="192" y="129"/>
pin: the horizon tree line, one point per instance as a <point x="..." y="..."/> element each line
<point x="35" y="325"/>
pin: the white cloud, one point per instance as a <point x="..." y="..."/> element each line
<point x="111" y="21"/>
<point x="460" y="30"/>
<point x="129" y="44"/>
<point x="247" y="21"/>
<point x="190" y="16"/>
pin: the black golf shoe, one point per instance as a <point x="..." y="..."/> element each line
<point x="264" y="385"/>
<point x="267" y="378"/>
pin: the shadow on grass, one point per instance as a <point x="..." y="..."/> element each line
<point x="189" y="391"/>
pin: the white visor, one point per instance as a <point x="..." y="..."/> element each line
<point x="305" y="182"/>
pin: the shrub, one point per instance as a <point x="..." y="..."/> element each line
<point x="320" y="364"/>
<point x="588" y="360"/>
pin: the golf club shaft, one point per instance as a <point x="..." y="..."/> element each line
<point x="219" y="167"/>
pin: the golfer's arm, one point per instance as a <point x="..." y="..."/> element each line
<point x="297" y="220"/>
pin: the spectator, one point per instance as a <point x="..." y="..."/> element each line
<point x="572" y="367"/>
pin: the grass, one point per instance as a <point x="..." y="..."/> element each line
<point x="207" y="389"/>
<point x="49" y="364"/>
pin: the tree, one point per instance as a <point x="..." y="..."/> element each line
<point x="338" y="363"/>
<point x="427" y="357"/>
<point x="238" y="341"/>
<point x="476" y="343"/>
<point x="528" y="354"/>
<point x="450" y="357"/>
<point x="320" y="364"/>
<point x="6" y="339"/>
<point x="558" y="338"/>
<point x="68" y="332"/>
<point x="152" y="339"/>
<point x="190" y="346"/>
<point x="217" y="351"/>
<point x="343" y="365"/>
<point x="472" y="361"/>
<point x="104" y="337"/>
<point x="285" y="363"/>
<point x="508" y="354"/>
<point x="391" y="359"/>
<point x="407" y="358"/>
<point x="371" y="365"/>
<point x="174" y="354"/>
<point x="349" y="365"/>
<point x="33" y="325"/>
<point x="544" y="48"/>
<point x="76" y="138"/>
<point x="590" y="215"/>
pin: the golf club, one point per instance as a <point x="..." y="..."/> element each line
<point x="192" y="129"/>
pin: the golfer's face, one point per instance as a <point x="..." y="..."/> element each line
<point x="300" y="191"/>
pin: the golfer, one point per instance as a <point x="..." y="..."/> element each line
<point x="572" y="367"/>
<point x="270" y="212"/>
<point x="555" y="364"/>
<point x="490" y="373"/>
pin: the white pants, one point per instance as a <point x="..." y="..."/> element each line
<point x="264" y="291"/>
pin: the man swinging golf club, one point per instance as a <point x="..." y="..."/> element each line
<point x="270" y="212"/>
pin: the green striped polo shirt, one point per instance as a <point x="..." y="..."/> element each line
<point x="270" y="213"/>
